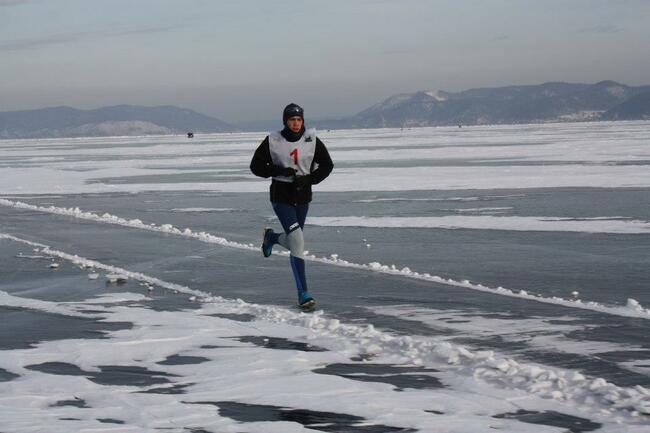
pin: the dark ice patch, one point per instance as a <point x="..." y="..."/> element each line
<point x="321" y="421"/>
<point x="128" y="375"/>
<point x="598" y="365"/>
<point x="634" y="329"/>
<point x="6" y="376"/>
<point x="236" y="317"/>
<point x="76" y="402"/>
<point x="279" y="343"/>
<point x="573" y="424"/>
<point x="23" y="328"/>
<point x="60" y="368"/>
<point x="403" y="325"/>
<point x="625" y="355"/>
<point x="120" y="375"/>
<point x="213" y="346"/>
<point x="362" y="357"/>
<point x="183" y="360"/>
<point x="171" y="390"/>
<point x="401" y="377"/>
<point x="110" y="421"/>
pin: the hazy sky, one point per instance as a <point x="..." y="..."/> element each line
<point x="243" y="60"/>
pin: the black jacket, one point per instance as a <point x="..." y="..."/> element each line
<point x="297" y="192"/>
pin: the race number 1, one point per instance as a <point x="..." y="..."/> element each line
<point x="294" y="153"/>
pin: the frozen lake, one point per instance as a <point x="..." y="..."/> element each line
<point x="467" y="279"/>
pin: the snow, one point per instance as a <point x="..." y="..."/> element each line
<point x="581" y="116"/>
<point x="480" y="210"/>
<point x="618" y="91"/>
<point x="479" y="383"/>
<point x="125" y="127"/>
<point x="435" y="94"/>
<point x="582" y="225"/>
<point x="565" y="155"/>
<point x="39" y="181"/>
<point x="452" y="199"/>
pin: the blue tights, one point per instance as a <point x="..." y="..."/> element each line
<point x="292" y="219"/>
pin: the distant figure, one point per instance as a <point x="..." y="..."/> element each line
<point x="190" y="135"/>
<point x="296" y="159"/>
<point x="460" y="126"/>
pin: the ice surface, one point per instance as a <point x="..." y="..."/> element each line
<point x="214" y="363"/>
<point x="205" y="209"/>
<point x="258" y="375"/>
<point x="542" y="339"/>
<point x="581" y="155"/>
<point x="632" y="308"/>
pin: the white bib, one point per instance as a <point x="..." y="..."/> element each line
<point x="298" y="155"/>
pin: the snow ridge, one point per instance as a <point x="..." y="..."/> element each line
<point x="561" y="385"/>
<point x="632" y="308"/>
<point x="617" y="225"/>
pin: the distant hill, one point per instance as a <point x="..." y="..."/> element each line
<point x="548" y="102"/>
<point x="637" y="107"/>
<point x="117" y="120"/>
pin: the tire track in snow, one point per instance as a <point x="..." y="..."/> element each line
<point x="631" y="309"/>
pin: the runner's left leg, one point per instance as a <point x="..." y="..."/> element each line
<point x="293" y="219"/>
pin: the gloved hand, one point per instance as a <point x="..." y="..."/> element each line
<point x="302" y="182"/>
<point x="283" y="171"/>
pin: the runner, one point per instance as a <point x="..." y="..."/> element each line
<point x="296" y="159"/>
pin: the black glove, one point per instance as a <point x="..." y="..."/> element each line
<point x="283" y="171"/>
<point x="302" y="182"/>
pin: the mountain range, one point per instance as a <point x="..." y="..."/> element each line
<point x="548" y="102"/>
<point x="116" y="120"/>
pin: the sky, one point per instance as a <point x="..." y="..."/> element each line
<point x="244" y="60"/>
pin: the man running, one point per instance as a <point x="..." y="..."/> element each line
<point x="296" y="159"/>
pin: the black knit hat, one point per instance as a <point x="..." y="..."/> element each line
<point x="292" y="110"/>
